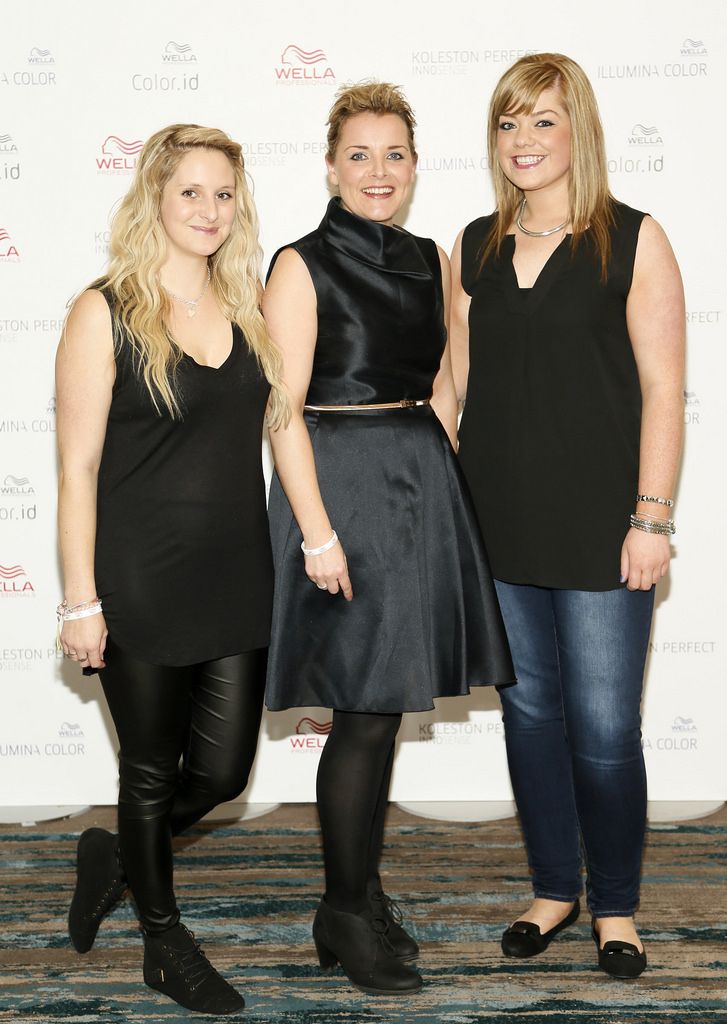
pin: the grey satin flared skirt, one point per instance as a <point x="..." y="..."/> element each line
<point x="424" y="621"/>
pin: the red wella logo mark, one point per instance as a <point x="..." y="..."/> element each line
<point x="8" y="251"/>
<point x="12" y="583"/>
<point x="311" y="725"/>
<point x="118" y="156"/>
<point x="297" y="64"/>
<point x="310" y="734"/>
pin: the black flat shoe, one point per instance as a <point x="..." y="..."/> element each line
<point x="523" y="938"/>
<point x="617" y="958"/>
<point x="100" y="884"/>
<point x="175" y="965"/>
<point x="404" y="945"/>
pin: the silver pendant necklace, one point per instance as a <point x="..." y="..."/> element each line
<point x="536" y="234"/>
<point x="191" y="303"/>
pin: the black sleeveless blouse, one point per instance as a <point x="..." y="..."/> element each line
<point x="183" y="559"/>
<point x="382" y="340"/>
<point x="549" y="439"/>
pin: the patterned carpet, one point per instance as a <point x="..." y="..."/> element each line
<point x="249" y="891"/>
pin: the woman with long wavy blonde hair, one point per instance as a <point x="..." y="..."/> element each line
<point x="164" y="373"/>
<point x="567" y="336"/>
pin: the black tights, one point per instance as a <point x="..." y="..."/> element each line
<point x="207" y="715"/>
<point x="354" y="776"/>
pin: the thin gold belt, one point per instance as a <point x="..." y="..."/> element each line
<point x="404" y="403"/>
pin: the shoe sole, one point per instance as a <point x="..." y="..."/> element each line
<point x="386" y="991"/>
<point x="192" y="1009"/>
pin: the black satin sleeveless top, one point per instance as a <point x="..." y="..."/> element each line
<point x="381" y="330"/>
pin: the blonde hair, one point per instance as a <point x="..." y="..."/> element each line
<point x="138" y="248"/>
<point x="591" y="202"/>
<point x="370" y="97"/>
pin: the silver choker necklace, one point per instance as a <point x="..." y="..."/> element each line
<point x="536" y="234"/>
<point x="191" y="303"/>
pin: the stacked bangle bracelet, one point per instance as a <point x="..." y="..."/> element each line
<point x="650" y="524"/>
<point x="66" y="612"/>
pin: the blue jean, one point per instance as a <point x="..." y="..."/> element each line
<point x="573" y="737"/>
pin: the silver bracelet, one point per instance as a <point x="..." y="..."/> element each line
<point x="659" y="501"/>
<point x="324" y="547"/>
<point x="662" y="527"/>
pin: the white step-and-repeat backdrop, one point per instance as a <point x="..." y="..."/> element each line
<point x="83" y="84"/>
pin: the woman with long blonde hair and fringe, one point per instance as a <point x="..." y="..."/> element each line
<point x="568" y="342"/>
<point x="164" y="373"/>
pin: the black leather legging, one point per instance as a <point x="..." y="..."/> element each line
<point x="207" y="716"/>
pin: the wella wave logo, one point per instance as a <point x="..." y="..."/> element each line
<point x="310" y="734"/>
<point x="14" y="581"/>
<point x="38" y="56"/>
<point x="645" y="135"/>
<point x="298" y="65"/>
<point x="7" y="145"/>
<point x="683" y="725"/>
<point x="178" y="53"/>
<point x="13" y="485"/>
<point x="693" y="47"/>
<point x="8" y="252"/>
<point x="70" y="730"/>
<point x="118" y="156"/>
<point x="306" y="725"/>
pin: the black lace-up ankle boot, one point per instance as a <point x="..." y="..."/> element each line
<point x="405" y="947"/>
<point x="100" y="884"/>
<point x="360" y="943"/>
<point x="175" y="965"/>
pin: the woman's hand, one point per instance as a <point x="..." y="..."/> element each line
<point x="329" y="571"/>
<point x="644" y="559"/>
<point x="84" y="640"/>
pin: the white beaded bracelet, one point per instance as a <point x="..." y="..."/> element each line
<point x="324" y="547"/>
<point x="78" y="611"/>
<point x="84" y="613"/>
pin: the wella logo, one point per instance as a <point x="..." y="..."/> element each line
<point x="8" y="252"/>
<point x="178" y="53"/>
<point x="16" y="485"/>
<point x="310" y="734"/>
<point x="118" y="156"/>
<point x="693" y="47"/>
<point x="7" y="145"/>
<point x="298" y="65"/>
<point x="14" y="581"/>
<point x="38" y="56"/>
<point x="642" y="135"/>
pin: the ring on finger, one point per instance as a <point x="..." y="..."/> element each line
<point x="321" y="586"/>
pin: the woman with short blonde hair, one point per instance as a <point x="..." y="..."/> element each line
<point x="366" y="467"/>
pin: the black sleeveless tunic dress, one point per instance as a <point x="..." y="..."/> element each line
<point x="183" y="559"/>
<point x="424" y="621"/>
<point x="549" y="438"/>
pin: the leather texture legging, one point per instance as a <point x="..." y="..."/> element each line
<point x="187" y="739"/>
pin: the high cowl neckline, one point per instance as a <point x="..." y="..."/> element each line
<point x="390" y="249"/>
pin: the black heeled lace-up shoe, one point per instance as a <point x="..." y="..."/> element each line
<point x="360" y="943"/>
